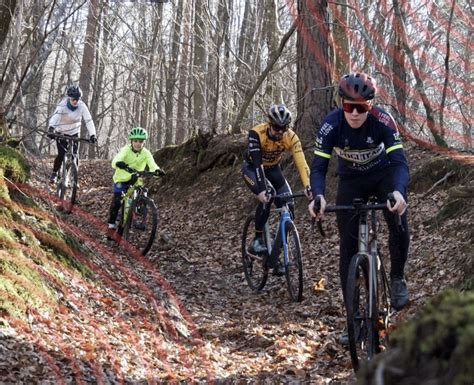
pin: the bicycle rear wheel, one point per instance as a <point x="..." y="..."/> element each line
<point x="255" y="266"/>
<point x="67" y="185"/>
<point x="294" y="268"/>
<point x="360" y="324"/>
<point x="141" y="225"/>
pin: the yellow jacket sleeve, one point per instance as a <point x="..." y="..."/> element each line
<point x="300" y="160"/>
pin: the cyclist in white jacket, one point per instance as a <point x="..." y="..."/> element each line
<point x="66" y="120"/>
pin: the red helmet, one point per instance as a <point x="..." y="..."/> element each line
<point x="357" y="87"/>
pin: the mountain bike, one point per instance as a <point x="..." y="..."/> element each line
<point x="367" y="290"/>
<point x="138" y="215"/>
<point x="280" y="239"/>
<point x="67" y="181"/>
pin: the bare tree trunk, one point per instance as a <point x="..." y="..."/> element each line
<point x="147" y="115"/>
<point x="171" y="74"/>
<point x="87" y="66"/>
<point x="214" y="76"/>
<point x="446" y="71"/>
<point x="7" y="9"/>
<point x="181" y="122"/>
<point x="339" y="40"/>
<point x="272" y="34"/>
<point x="30" y="99"/>
<point x="200" y="67"/>
<point x="247" y="42"/>
<point x="467" y="66"/>
<point x="399" y="79"/>
<point x="314" y="89"/>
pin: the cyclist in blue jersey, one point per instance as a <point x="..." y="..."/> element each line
<point x="371" y="161"/>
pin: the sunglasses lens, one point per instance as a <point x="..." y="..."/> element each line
<point x="361" y="108"/>
<point x="280" y="128"/>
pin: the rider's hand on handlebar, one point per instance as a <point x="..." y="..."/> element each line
<point x="160" y="172"/>
<point x="121" y="164"/>
<point x="263" y="197"/>
<point x="50" y="133"/>
<point x="400" y="205"/>
<point x="318" y="202"/>
<point x="93" y="139"/>
<point x="308" y="192"/>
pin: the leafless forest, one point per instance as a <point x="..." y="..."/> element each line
<point x="186" y="67"/>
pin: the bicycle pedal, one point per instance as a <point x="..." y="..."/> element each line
<point x="139" y="226"/>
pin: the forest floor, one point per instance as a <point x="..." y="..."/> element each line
<point x="185" y="312"/>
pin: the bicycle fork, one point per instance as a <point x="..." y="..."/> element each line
<point x="369" y="250"/>
<point x="285" y="217"/>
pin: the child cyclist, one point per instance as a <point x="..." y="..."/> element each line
<point x="134" y="156"/>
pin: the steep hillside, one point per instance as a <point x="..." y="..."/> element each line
<point x="74" y="310"/>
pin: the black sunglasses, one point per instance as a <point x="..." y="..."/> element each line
<point x="280" y="128"/>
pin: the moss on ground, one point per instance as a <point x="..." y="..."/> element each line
<point x="434" y="348"/>
<point x="13" y="164"/>
<point x="28" y="242"/>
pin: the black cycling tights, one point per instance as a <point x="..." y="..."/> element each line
<point x="115" y="207"/>
<point x="275" y="178"/>
<point x="62" y="146"/>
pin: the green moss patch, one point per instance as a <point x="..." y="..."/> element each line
<point x="434" y="348"/>
<point x="13" y="164"/>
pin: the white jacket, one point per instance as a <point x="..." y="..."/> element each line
<point x="68" y="122"/>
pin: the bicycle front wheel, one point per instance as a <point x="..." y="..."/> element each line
<point x="384" y="308"/>
<point x="141" y="225"/>
<point x="361" y="312"/>
<point x="255" y="266"/>
<point x="67" y="185"/>
<point x="293" y="264"/>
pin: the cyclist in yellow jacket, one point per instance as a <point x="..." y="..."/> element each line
<point x="132" y="156"/>
<point x="261" y="169"/>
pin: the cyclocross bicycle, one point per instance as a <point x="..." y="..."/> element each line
<point x="284" y="237"/>
<point x="367" y="290"/>
<point x="138" y="215"/>
<point x="67" y="181"/>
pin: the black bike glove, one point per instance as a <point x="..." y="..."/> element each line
<point x="92" y="139"/>
<point x="122" y="165"/>
<point x="160" y="172"/>
<point x="50" y="134"/>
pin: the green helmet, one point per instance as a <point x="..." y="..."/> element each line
<point x="138" y="133"/>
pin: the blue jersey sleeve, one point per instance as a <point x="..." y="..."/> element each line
<point x="394" y="149"/>
<point x="322" y="153"/>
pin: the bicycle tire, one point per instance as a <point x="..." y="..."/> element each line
<point x="294" y="267"/>
<point x="360" y="326"/>
<point x="254" y="265"/>
<point x="142" y="222"/>
<point x="121" y="219"/>
<point x="67" y="185"/>
<point x="384" y="310"/>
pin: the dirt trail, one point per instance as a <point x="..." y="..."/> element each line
<point x="256" y="337"/>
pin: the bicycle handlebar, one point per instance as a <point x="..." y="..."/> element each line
<point x="140" y="173"/>
<point x="68" y="137"/>
<point x="359" y="206"/>
<point x="288" y="196"/>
